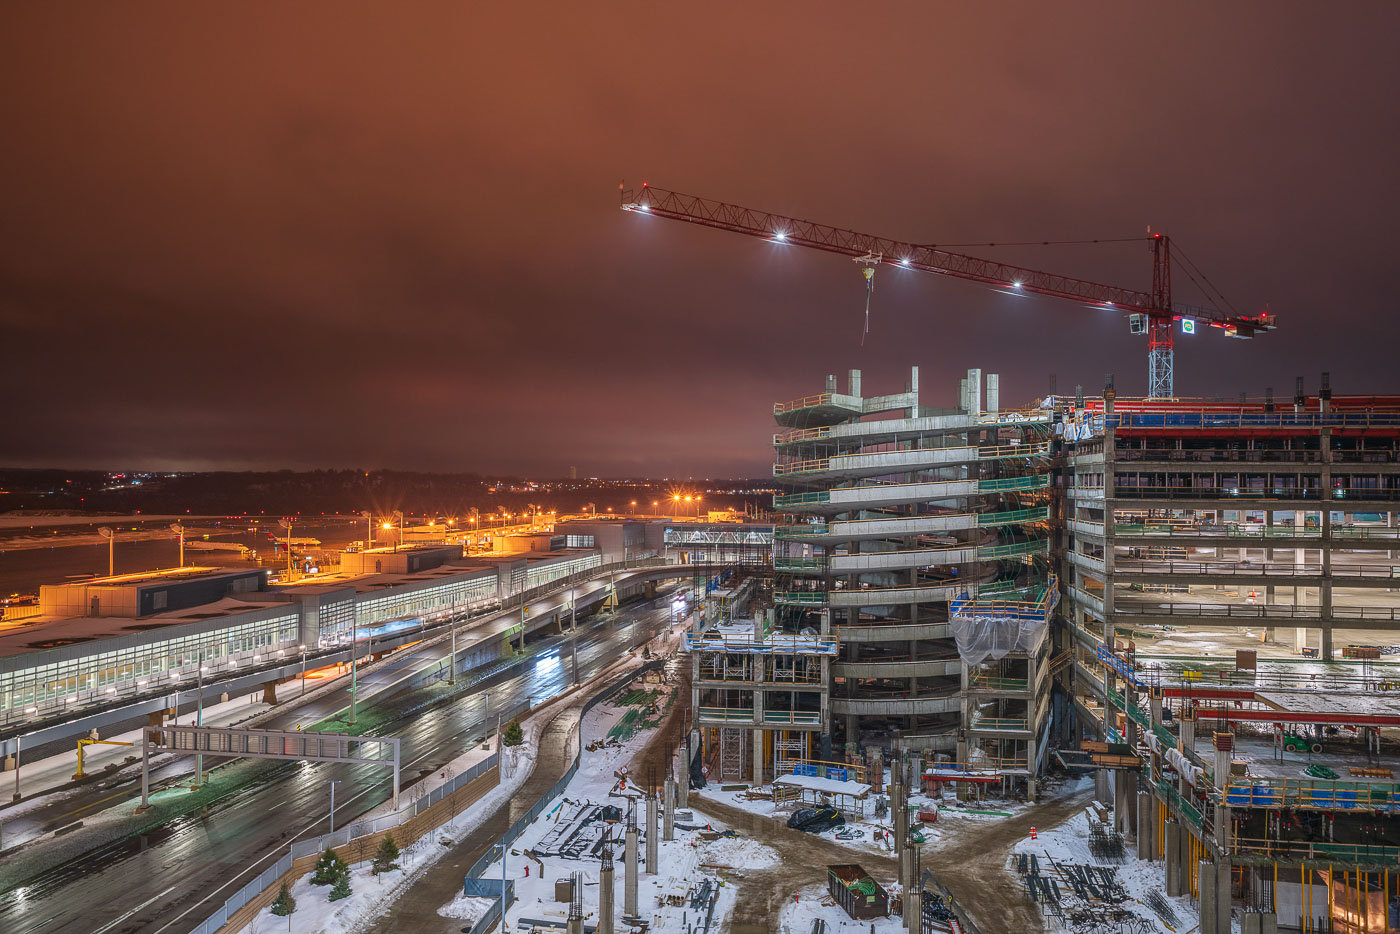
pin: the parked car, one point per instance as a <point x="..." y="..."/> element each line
<point x="816" y="820"/>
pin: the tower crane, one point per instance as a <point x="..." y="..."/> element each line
<point x="1151" y="313"/>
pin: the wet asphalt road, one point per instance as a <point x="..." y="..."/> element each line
<point x="171" y="879"/>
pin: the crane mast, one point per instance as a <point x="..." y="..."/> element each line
<point x="1151" y="313"/>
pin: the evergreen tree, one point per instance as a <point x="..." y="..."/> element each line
<point x="328" y="868"/>
<point x="285" y="904"/>
<point x="513" y="735"/>
<point x="384" y="858"/>
<point x="341" y="889"/>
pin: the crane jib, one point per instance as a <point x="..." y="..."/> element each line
<point x="1152" y="313"/>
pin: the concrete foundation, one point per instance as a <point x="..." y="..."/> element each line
<point x="1259" y="922"/>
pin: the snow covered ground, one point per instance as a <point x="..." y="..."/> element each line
<point x="797" y="916"/>
<point x="682" y="862"/>
<point x="1069" y="843"/>
<point x="871" y="834"/>
<point x="315" y="914"/>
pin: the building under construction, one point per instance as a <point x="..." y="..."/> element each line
<point x="1230" y="597"/>
<point x="911" y="590"/>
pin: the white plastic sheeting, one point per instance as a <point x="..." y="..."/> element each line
<point x="988" y="638"/>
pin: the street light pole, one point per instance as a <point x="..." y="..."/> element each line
<point x="354" y="656"/>
<point x="303" y="671"/>
<point x="111" y="537"/>
<point x="399" y="516"/>
<point x="333" y="782"/>
<point x="180" y="530"/>
<point x="199" y="721"/>
<point x="369" y="528"/>
<point x="287" y="524"/>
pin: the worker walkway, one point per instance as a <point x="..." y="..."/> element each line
<point x="415" y="910"/>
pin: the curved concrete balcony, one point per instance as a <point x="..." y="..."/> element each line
<point x="877" y="463"/>
<point x="821" y="408"/>
<point x="896" y="706"/>
<point x="877" y="495"/>
<point x="855" y="530"/>
<point x="932" y="668"/>
<point x="892" y="596"/>
<point x="891" y="632"/>
<point x="895" y="429"/>
<point x="929" y="557"/>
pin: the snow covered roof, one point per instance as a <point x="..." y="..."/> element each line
<point x="824" y="785"/>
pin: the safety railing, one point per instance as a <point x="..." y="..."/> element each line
<point x="806" y="402"/>
<point x="800" y="598"/>
<point x="801" y="499"/>
<point x="1317" y="794"/>
<point x="1014" y="516"/>
<point x="774" y="644"/>
<point x="1221" y="530"/>
<point x="981" y="605"/>
<point x="1242" y="418"/>
<point x="784" y="563"/>
<point x="791" y="716"/>
<point x="1179" y="804"/>
<point x="977" y="681"/>
<point x="1000" y="723"/>
<point x="1008" y="484"/>
<point x="735" y="714"/>
<point x="1352" y="854"/>
<point x="991" y="452"/>
<point x="1254" y="569"/>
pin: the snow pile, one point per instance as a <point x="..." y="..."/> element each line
<point x="737" y="853"/>
<point x="466" y="907"/>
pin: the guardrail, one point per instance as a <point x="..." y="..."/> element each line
<point x="806" y="402"/>
<point x="737" y="714"/>
<point x="1000" y="723"/>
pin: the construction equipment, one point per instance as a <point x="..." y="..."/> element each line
<point x="1151" y="313"/>
<point x="88" y="742"/>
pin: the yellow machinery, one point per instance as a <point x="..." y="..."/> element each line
<point x="88" y="742"/>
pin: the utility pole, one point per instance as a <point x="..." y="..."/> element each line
<point x="399" y="516"/>
<point x="369" y="528"/>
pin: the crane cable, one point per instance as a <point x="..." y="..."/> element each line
<point x="869" y="261"/>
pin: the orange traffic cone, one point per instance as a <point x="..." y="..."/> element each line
<point x="1033" y="833"/>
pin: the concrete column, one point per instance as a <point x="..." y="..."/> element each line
<point x="1223" y="901"/>
<point x="668" y="811"/>
<point x="629" y="877"/>
<point x="757" y="755"/>
<point x="1206" y="904"/>
<point x="1222" y="767"/>
<point x="1120" y="801"/>
<point x="606" y="891"/>
<point x="1188" y="734"/>
<point x="269" y="692"/>
<point x="1172" y="850"/>
<point x="1145" y="822"/>
<point x="653" y="837"/>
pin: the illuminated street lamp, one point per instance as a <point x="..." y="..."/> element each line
<point x="287" y="524"/>
<point x="399" y="516"/>
<point x="179" y="530"/>
<point x="111" y="537"/>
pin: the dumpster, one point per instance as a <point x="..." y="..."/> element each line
<point x="861" y="896"/>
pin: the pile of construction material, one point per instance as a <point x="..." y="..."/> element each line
<point x="1085" y="897"/>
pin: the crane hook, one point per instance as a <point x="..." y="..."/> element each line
<point x="869" y="261"/>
